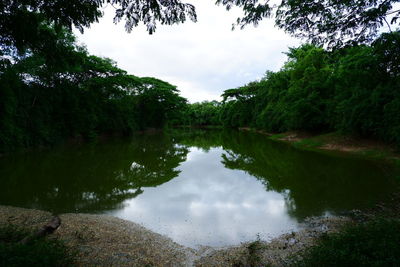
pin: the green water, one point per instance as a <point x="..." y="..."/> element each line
<point x="197" y="187"/>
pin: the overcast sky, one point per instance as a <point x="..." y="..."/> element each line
<point x="203" y="59"/>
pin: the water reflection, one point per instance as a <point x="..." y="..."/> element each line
<point x="198" y="187"/>
<point x="312" y="183"/>
<point x="89" y="178"/>
<point x="210" y="205"/>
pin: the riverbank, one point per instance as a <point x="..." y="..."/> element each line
<point x="102" y="240"/>
<point x="335" y="142"/>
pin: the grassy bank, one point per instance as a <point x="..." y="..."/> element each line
<point x="374" y="243"/>
<point x="354" y="243"/>
<point x="375" y="239"/>
<point x="336" y="142"/>
<point x="37" y="252"/>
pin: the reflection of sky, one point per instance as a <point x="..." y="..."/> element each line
<point x="208" y="204"/>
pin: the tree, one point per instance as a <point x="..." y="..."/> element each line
<point x="158" y="103"/>
<point x="57" y="90"/>
<point x="335" y="23"/>
<point x="202" y="113"/>
<point x="242" y="93"/>
<point x="21" y="20"/>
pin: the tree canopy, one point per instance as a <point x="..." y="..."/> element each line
<point x="21" y="21"/>
<point x="57" y="90"/>
<point x="353" y="90"/>
<point x="334" y="23"/>
<point x="53" y="89"/>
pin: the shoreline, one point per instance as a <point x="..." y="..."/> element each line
<point x="103" y="240"/>
<point x="334" y="142"/>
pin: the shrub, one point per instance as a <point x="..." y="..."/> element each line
<point x="38" y="252"/>
<point x="375" y="243"/>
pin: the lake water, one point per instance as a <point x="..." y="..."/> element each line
<point x="214" y="187"/>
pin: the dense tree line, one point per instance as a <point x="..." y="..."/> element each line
<point x="58" y="91"/>
<point x="204" y="113"/>
<point x="355" y="90"/>
<point x="52" y="89"/>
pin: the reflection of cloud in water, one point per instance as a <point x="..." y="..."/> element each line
<point x="208" y="204"/>
<point x="194" y="154"/>
<point x="135" y="165"/>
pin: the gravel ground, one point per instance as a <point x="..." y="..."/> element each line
<point x="103" y="240"/>
<point x="278" y="251"/>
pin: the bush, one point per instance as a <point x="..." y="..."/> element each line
<point x="376" y="243"/>
<point x="38" y="252"/>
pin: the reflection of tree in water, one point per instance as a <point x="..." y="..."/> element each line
<point x="312" y="183"/>
<point x="95" y="178"/>
<point x="91" y="178"/>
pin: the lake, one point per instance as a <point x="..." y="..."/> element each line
<point x="198" y="187"/>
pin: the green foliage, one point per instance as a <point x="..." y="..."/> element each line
<point x="334" y="23"/>
<point x="59" y="92"/>
<point x="159" y="103"/>
<point x="376" y="243"/>
<point x="352" y="90"/>
<point x="21" y="20"/>
<point x="205" y="113"/>
<point x="269" y="108"/>
<point x="39" y="252"/>
<point x="241" y="93"/>
<point x="254" y="248"/>
<point x="237" y="113"/>
<point x="52" y="89"/>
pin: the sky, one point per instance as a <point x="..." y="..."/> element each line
<point x="202" y="59"/>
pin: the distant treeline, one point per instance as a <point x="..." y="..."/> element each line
<point x="55" y="90"/>
<point x="354" y="90"/>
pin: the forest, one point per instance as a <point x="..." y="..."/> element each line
<point x="60" y="91"/>
<point x="346" y="78"/>
<point x="68" y="93"/>
<point x="354" y="90"/>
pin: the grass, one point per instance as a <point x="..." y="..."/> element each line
<point x="308" y="143"/>
<point x="318" y="141"/>
<point x="380" y="154"/>
<point x="277" y="136"/>
<point x="253" y="250"/>
<point x="375" y="243"/>
<point x="351" y="145"/>
<point x="38" y="252"/>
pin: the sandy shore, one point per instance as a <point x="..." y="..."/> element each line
<point x="103" y="240"/>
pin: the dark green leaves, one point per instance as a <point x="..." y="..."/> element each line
<point x="56" y="90"/>
<point x="333" y="23"/>
<point x="152" y="11"/>
<point x="375" y="243"/>
<point x="20" y="20"/>
<point x="354" y="90"/>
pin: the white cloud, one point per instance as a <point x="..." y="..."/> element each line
<point x="202" y="58"/>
